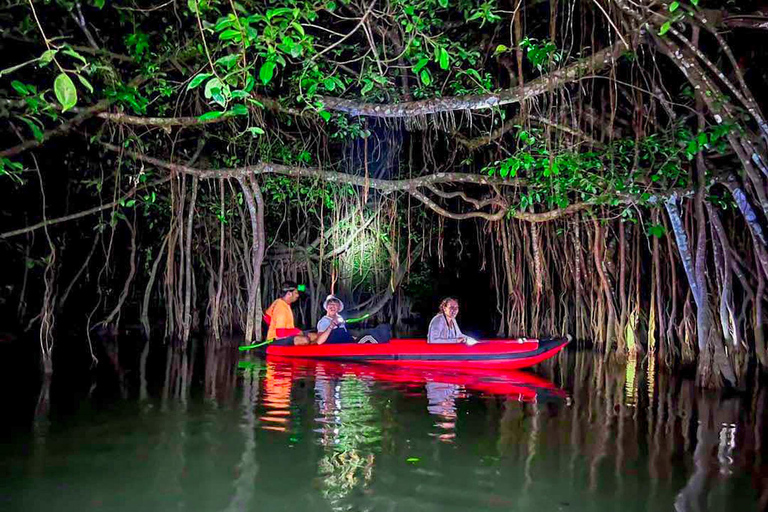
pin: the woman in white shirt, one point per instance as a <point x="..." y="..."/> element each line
<point x="443" y="327"/>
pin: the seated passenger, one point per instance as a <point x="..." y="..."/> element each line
<point x="339" y="332"/>
<point x="334" y="321"/>
<point x="279" y="317"/>
<point x="443" y="327"/>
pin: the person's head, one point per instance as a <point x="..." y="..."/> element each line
<point x="332" y="305"/>
<point x="449" y="307"/>
<point x="289" y="292"/>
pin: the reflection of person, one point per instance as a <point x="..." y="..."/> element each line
<point x="441" y="399"/>
<point x="443" y="327"/>
<point x="279" y="317"/>
<point x="334" y="321"/>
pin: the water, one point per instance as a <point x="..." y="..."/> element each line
<point x="229" y="434"/>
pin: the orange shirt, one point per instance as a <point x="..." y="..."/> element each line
<point x="279" y="316"/>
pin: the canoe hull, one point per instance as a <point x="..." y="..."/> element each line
<point x="495" y="354"/>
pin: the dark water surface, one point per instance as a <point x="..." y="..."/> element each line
<point x="232" y="434"/>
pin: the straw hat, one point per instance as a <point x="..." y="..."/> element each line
<point x="333" y="297"/>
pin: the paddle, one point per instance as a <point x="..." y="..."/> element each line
<point x="255" y="345"/>
<point x="355" y="320"/>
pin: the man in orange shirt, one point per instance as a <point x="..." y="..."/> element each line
<point x="279" y="317"/>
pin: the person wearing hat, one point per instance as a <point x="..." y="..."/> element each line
<point x="279" y="318"/>
<point x="334" y="321"/>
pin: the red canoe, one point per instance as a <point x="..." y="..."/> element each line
<point x="491" y="354"/>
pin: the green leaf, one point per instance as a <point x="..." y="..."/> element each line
<point x="298" y="27"/>
<point x="72" y="53"/>
<point x="443" y="58"/>
<point x="665" y="28"/>
<point x="20" y="88"/>
<point x="656" y="230"/>
<point x="255" y="130"/>
<point x="266" y="72"/>
<point x="85" y="83"/>
<point x="325" y="115"/>
<point x="193" y="5"/>
<point x="426" y="78"/>
<point x="249" y="83"/>
<point x="218" y="91"/>
<point x="476" y="15"/>
<point x="239" y="110"/>
<point x="38" y="134"/>
<point x="501" y="49"/>
<point x="674" y="6"/>
<point x="367" y="87"/>
<point x="228" y="60"/>
<point x="419" y="65"/>
<point x="443" y="3"/>
<point x="223" y="23"/>
<point x="65" y="91"/>
<point x="214" y="114"/>
<point x="695" y="2"/>
<point x="198" y="80"/>
<point x="230" y="34"/>
<point x="99" y="3"/>
<point x="329" y="83"/>
<point x="47" y="57"/>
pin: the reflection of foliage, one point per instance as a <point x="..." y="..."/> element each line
<point x="355" y="429"/>
<point x="342" y="472"/>
<point x="359" y="425"/>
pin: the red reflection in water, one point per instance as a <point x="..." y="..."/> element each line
<point x="277" y="397"/>
<point x="514" y="384"/>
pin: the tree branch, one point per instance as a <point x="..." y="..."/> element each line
<point x="84" y="213"/>
<point x="59" y="130"/>
<point x="524" y="216"/>
<point x="477" y="203"/>
<point x="483" y="140"/>
<point x="121" y="118"/>
<point x="329" y="176"/>
<point x="757" y="21"/>
<point x="600" y="60"/>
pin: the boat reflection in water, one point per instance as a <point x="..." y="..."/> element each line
<point x="442" y="387"/>
<point x="519" y="385"/>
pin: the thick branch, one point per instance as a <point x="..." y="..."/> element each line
<point x="600" y="60"/>
<point x="477" y="203"/>
<point x="757" y="22"/>
<point x="121" y="118"/>
<point x="329" y="176"/>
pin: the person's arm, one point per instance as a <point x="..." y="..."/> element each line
<point x="438" y="332"/>
<point x="286" y="332"/>
<point x="461" y="337"/>
<point x="322" y="336"/>
<point x="323" y="324"/>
